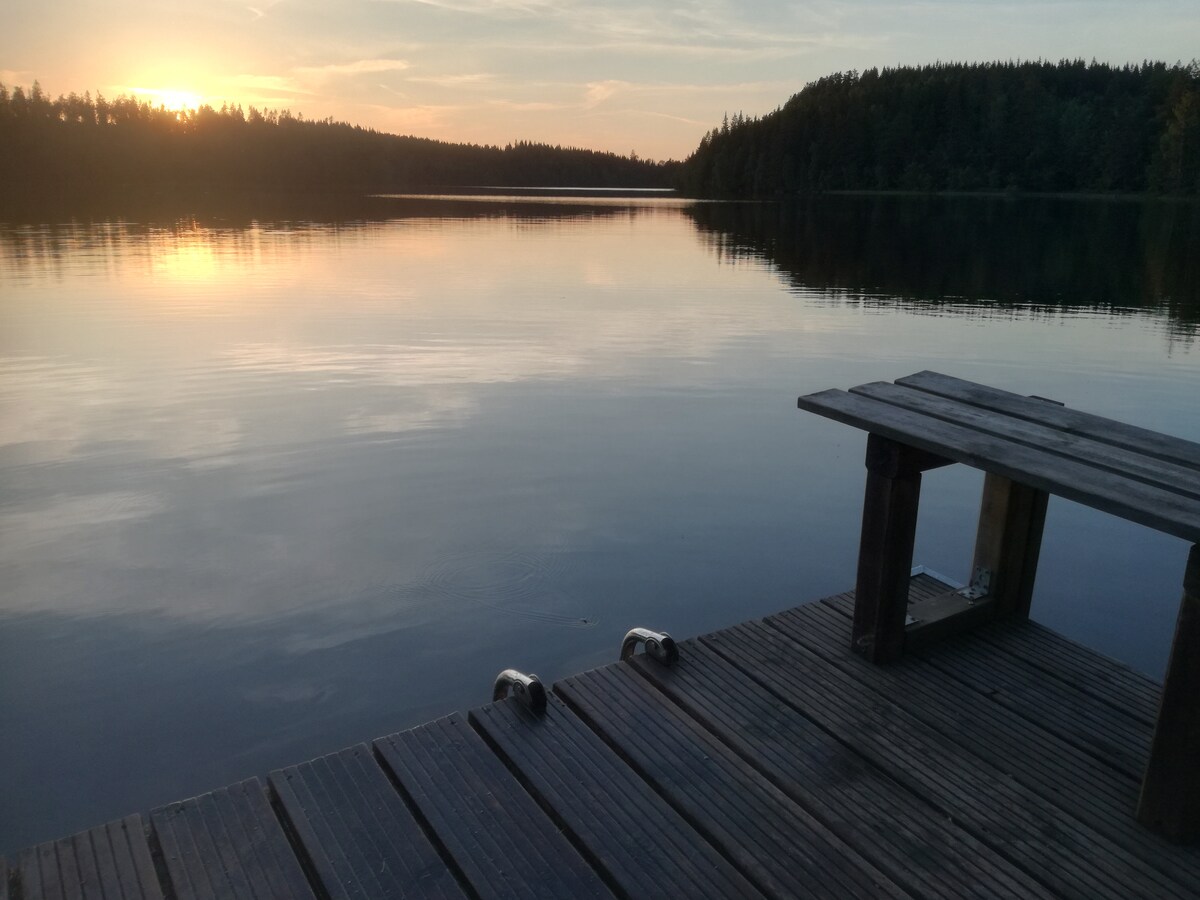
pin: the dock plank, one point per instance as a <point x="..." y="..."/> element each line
<point x="1109" y="734"/>
<point x="1072" y="858"/>
<point x="210" y="850"/>
<point x="1059" y="772"/>
<point x="84" y="866"/>
<point x="888" y="825"/>
<point x="774" y="841"/>
<point x="1107" y="680"/>
<point x="625" y="829"/>
<point x="86" y="875"/>
<point x="131" y="858"/>
<point x="498" y="836"/>
<point x="356" y="829"/>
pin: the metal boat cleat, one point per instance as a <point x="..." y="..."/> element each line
<point x="660" y="646"/>
<point x="527" y="689"/>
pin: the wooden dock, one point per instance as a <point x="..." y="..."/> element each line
<point x="908" y="740"/>
<point x="770" y="760"/>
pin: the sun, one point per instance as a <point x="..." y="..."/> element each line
<point x="169" y="98"/>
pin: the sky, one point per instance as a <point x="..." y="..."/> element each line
<point x="642" y="76"/>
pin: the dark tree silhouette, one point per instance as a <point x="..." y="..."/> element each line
<point x="1035" y="126"/>
<point x="77" y="146"/>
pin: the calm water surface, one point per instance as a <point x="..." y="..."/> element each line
<point x="273" y="483"/>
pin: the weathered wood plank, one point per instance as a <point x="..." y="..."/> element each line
<point x="625" y="829"/>
<point x="4" y="883"/>
<point x="935" y="618"/>
<point x="888" y="825"/>
<point x="1107" y="680"/>
<point x="208" y="850"/>
<point x="1110" y="431"/>
<point x="86" y="875"/>
<point x="47" y="858"/>
<point x="29" y="872"/>
<point x="1109" y="732"/>
<point x="132" y="859"/>
<point x="1096" y="452"/>
<point x="1067" y="855"/>
<point x="1073" y="780"/>
<point x="1112" y="736"/>
<point x="501" y="840"/>
<point x="773" y="841"/>
<point x="1156" y="507"/>
<point x="1170" y="797"/>
<point x="85" y="865"/>
<point x="357" y="831"/>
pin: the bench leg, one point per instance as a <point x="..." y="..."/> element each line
<point x="1008" y="542"/>
<point x="885" y="553"/>
<point x="1170" y="800"/>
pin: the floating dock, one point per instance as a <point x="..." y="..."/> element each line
<point x="769" y="760"/>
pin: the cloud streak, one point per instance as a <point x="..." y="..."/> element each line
<point x="351" y="69"/>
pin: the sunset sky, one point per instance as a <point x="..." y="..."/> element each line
<point x="621" y="75"/>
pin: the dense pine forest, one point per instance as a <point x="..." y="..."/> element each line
<point x="84" y="146"/>
<point x="1036" y="126"/>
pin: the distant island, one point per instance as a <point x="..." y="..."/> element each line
<point x="1067" y="127"/>
<point x="92" y="146"/>
<point x="1070" y="127"/>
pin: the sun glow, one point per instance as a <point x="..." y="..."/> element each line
<point x="174" y="100"/>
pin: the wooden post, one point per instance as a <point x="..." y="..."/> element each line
<point x="1170" y="800"/>
<point x="885" y="552"/>
<point x="1008" y="542"/>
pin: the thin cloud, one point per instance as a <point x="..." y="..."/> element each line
<point x="359" y="67"/>
<point x="486" y="7"/>
<point x="599" y="91"/>
<point x="475" y="78"/>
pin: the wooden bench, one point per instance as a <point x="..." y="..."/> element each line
<point x="1030" y="448"/>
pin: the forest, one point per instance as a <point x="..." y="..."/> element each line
<point x="83" y="146"/>
<point x="1066" y="127"/>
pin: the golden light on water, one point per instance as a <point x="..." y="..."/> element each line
<point x="187" y="262"/>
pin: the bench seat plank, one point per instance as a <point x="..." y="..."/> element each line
<point x="1110" y="431"/>
<point x="1138" y="466"/>
<point x="1146" y="504"/>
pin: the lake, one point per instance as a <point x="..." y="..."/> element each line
<point x="280" y="477"/>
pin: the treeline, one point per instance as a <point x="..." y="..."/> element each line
<point x="80" y="145"/>
<point x="1035" y="126"/>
